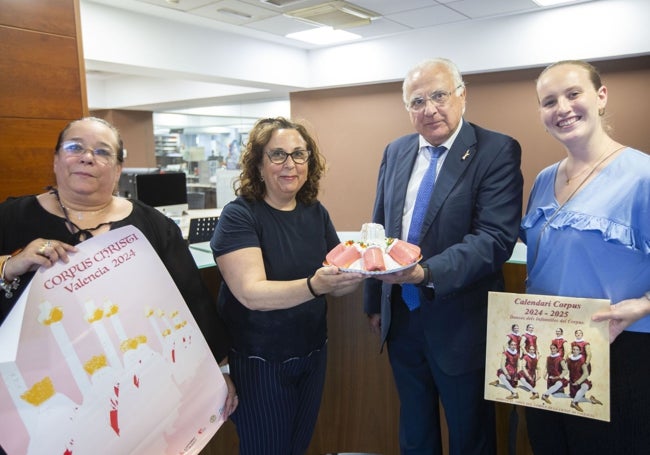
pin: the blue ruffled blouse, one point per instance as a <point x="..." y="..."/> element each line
<point x="598" y="245"/>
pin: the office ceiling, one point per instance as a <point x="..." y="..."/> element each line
<point x="271" y="20"/>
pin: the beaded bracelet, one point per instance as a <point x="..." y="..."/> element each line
<point x="8" y="286"/>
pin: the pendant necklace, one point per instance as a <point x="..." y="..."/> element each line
<point x="573" y="193"/>
<point x="592" y="169"/>
<point x="81" y="234"/>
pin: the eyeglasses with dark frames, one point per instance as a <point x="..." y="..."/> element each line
<point x="279" y="156"/>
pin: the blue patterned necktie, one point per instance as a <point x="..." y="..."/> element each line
<point x="410" y="292"/>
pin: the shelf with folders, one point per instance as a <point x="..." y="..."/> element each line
<point x="167" y="144"/>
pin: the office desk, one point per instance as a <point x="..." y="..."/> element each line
<point x="202" y="255"/>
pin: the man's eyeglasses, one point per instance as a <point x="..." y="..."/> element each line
<point x="280" y="156"/>
<point x="439" y="98"/>
<point x="102" y="155"/>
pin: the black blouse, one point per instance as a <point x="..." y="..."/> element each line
<point x="23" y="219"/>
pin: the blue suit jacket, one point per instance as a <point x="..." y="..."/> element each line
<point x="468" y="234"/>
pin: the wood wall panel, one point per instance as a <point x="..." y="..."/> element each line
<point x="42" y="88"/>
<point x="57" y="17"/>
<point x="26" y="155"/>
<point x="40" y="75"/>
<point x="136" y="129"/>
<point x="359" y="408"/>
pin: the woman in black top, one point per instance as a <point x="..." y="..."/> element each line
<point x="37" y="231"/>
<point x="270" y="244"/>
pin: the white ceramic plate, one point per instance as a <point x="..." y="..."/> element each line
<point x="391" y="266"/>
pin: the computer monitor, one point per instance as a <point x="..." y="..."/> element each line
<point x="126" y="185"/>
<point x="167" y="192"/>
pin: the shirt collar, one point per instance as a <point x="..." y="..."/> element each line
<point x="448" y="143"/>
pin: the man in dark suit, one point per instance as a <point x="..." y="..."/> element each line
<point x="466" y="228"/>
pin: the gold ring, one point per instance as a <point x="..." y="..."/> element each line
<point x="41" y="250"/>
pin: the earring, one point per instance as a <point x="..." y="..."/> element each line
<point x="261" y="178"/>
<point x="601" y="111"/>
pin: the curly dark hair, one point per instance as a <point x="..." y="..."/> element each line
<point x="250" y="185"/>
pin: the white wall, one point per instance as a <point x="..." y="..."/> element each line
<point x="597" y="30"/>
<point x="173" y="64"/>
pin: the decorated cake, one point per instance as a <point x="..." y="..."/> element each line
<point x="374" y="252"/>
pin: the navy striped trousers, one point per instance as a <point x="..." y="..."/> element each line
<point x="278" y="402"/>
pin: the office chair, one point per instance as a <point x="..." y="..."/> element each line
<point x="201" y="229"/>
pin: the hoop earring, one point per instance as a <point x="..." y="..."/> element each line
<point x="601" y="111"/>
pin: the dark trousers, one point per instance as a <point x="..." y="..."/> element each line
<point x="421" y="383"/>
<point x="278" y="402"/>
<point x="628" y="433"/>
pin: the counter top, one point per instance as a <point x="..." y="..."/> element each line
<point x="518" y="254"/>
<point x="203" y="254"/>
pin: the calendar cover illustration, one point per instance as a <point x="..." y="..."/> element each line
<point x="102" y="354"/>
<point x="545" y="352"/>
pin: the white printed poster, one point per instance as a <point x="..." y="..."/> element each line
<point x="544" y="351"/>
<point x="102" y="355"/>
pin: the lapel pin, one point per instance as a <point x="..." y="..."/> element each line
<point x="465" y="155"/>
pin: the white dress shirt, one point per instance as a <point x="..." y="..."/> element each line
<point x="419" y="169"/>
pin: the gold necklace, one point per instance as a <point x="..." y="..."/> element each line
<point x="598" y="163"/>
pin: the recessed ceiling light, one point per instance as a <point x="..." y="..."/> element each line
<point x="324" y="35"/>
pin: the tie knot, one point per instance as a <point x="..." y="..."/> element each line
<point x="436" y="151"/>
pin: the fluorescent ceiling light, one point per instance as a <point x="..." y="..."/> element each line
<point x="552" y="2"/>
<point x="324" y="35"/>
<point x="234" y="13"/>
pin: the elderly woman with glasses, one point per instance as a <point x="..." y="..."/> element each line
<point x="41" y="230"/>
<point x="270" y="244"/>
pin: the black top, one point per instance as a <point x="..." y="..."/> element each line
<point x="23" y="219"/>
<point x="294" y="244"/>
